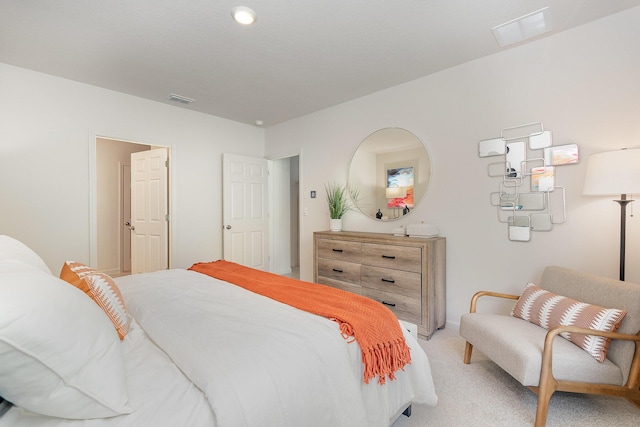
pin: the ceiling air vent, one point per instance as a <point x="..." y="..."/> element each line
<point x="181" y="99"/>
<point x="523" y="28"/>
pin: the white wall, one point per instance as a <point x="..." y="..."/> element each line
<point x="582" y="84"/>
<point x="48" y="126"/>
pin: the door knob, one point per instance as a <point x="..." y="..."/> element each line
<point x="129" y="226"/>
<point x="228" y="227"/>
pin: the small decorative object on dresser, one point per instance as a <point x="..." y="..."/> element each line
<point x="339" y="199"/>
<point x="405" y="274"/>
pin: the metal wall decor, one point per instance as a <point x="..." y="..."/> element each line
<point x="528" y="197"/>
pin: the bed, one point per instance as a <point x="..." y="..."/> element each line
<point x="177" y="348"/>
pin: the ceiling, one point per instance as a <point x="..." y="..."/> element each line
<point x="299" y="57"/>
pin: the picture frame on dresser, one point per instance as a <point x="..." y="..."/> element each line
<point x="406" y="274"/>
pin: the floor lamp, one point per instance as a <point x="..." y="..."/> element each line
<point x="614" y="172"/>
<point x="396" y="193"/>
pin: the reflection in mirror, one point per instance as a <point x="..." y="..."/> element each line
<point x="508" y="196"/>
<point x="531" y="201"/>
<point x="516" y="155"/>
<point x="391" y="170"/>
<point x="520" y="228"/>
<point x="541" y="222"/>
<point x="561" y="155"/>
<point x="543" y="179"/>
<point x="557" y="201"/>
<point x="541" y="140"/>
<point x="491" y="147"/>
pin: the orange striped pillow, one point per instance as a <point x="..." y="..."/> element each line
<point x="102" y="290"/>
<point x="546" y="309"/>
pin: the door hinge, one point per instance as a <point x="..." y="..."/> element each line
<point x="167" y="217"/>
<point x="166" y="163"/>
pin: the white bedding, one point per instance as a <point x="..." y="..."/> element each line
<point x="255" y="362"/>
<point x="264" y="363"/>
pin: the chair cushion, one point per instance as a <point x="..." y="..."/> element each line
<point x="516" y="346"/>
<point x="547" y="309"/>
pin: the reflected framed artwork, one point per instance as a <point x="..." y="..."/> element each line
<point x="401" y="177"/>
<point x="543" y="179"/>
<point x="561" y="155"/>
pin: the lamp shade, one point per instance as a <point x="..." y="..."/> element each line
<point x="395" y="192"/>
<point x="613" y="172"/>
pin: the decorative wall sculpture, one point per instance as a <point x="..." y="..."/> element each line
<point x="528" y="197"/>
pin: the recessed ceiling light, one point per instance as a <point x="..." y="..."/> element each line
<point x="181" y="99"/>
<point x="243" y="15"/>
<point x="523" y="28"/>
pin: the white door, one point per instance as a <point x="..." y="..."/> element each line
<point x="149" y="211"/>
<point x="244" y="213"/>
<point x="125" y="246"/>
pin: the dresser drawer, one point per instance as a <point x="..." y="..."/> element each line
<point x="345" y="286"/>
<point x="339" y="270"/>
<point x="392" y="256"/>
<point x="403" y="307"/>
<point x="339" y="249"/>
<point x="397" y="281"/>
<point x="406" y="273"/>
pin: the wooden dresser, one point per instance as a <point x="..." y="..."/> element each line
<point x="407" y="274"/>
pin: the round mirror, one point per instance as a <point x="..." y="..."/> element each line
<point x="390" y="171"/>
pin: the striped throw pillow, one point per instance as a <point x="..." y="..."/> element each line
<point x="102" y="290"/>
<point x="546" y="309"/>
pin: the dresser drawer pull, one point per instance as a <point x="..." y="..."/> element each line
<point x="337" y="270"/>
<point x="390" y="304"/>
<point x="388" y="256"/>
<point x="336" y="250"/>
<point x="388" y="280"/>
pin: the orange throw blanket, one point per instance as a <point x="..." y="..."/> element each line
<point x="372" y="325"/>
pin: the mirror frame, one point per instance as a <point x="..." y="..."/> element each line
<point x="389" y="149"/>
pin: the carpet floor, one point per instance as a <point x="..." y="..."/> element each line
<point x="482" y="394"/>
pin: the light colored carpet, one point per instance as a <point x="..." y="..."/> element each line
<point x="482" y="394"/>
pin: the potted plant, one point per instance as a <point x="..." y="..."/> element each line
<point x="339" y="199"/>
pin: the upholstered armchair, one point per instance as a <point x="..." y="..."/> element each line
<point x="528" y="346"/>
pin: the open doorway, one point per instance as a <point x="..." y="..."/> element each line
<point x="285" y="215"/>
<point x="113" y="204"/>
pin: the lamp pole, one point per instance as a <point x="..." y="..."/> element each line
<point x="623" y="230"/>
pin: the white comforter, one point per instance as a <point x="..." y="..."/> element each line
<point x="263" y="363"/>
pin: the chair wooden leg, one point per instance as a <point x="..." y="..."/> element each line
<point x="548" y="385"/>
<point x="467" y="353"/>
<point x="634" y="397"/>
<point x="543" y="407"/>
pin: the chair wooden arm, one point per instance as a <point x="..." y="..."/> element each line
<point x="479" y="294"/>
<point x="468" y="347"/>
<point x="548" y="384"/>
<point x="547" y="352"/>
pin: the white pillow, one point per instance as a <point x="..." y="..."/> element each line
<point x="16" y="251"/>
<point x="59" y="354"/>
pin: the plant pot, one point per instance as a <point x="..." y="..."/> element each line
<point x="335" y="224"/>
